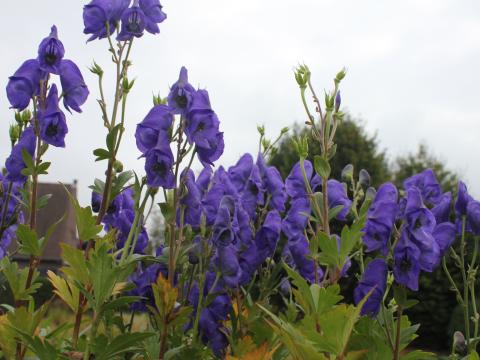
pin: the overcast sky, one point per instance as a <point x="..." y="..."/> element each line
<point x="413" y="71"/>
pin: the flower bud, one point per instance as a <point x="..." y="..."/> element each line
<point x="96" y="69"/>
<point x="370" y="193"/>
<point x="261" y="130"/>
<point x="158" y="100"/>
<point x="338" y="101"/>
<point x="14" y="132"/>
<point x="302" y="76"/>
<point x="459" y="343"/>
<point x="118" y="166"/>
<point x="364" y="178"/>
<point x="301" y="146"/>
<point x="347" y="173"/>
<point x="341" y="74"/>
<point x="284" y="130"/>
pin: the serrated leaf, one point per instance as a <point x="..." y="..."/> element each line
<point x="28" y="239"/>
<point x="65" y="291"/>
<point x="101" y="154"/>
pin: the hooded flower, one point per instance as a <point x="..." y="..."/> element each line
<point x="158" y="166"/>
<point x="98" y="13"/>
<point x="227" y="263"/>
<point x="24" y="84"/>
<point x="444" y="235"/>
<point x="380" y="218"/>
<point x="373" y="279"/>
<point x="406" y="268"/>
<point x="123" y="223"/>
<point x="133" y="23"/>
<point x="153" y="15"/>
<point x="473" y="216"/>
<point x="50" y="53"/>
<point x="463" y="198"/>
<point x="74" y="90"/>
<point x="14" y="163"/>
<point x="253" y="193"/>
<point x="154" y="129"/>
<point x="295" y="184"/>
<point x="240" y="172"/>
<point x="202" y="127"/>
<point x="296" y="219"/>
<point x="181" y="93"/>
<point x="192" y="200"/>
<point x="299" y="251"/>
<point x="215" y="149"/>
<point x="337" y="196"/>
<point x="267" y="237"/>
<point x="441" y="210"/>
<point x="428" y="185"/>
<point x="273" y="184"/>
<point x="226" y="223"/>
<point x="53" y="125"/>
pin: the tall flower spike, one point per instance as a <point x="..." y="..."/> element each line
<point x="50" y="52"/>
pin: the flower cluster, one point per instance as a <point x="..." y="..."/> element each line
<point x="414" y="232"/>
<point x="198" y="122"/>
<point x="30" y="82"/>
<point x="102" y="17"/>
<point x="296" y="219"/>
<point x="120" y="216"/>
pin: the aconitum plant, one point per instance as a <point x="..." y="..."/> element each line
<point x="249" y="265"/>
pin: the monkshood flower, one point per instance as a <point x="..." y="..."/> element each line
<point x="24" y="84"/>
<point x="191" y="201"/>
<point x="210" y="154"/>
<point x="181" y="94"/>
<point x="299" y="250"/>
<point x="253" y="193"/>
<point x="212" y="317"/>
<point x="123" y="223"/>
<point x="220" y="186"/>
<point x="267" y="237"/>
<point x="463" y="198"/>
<point x="296" y="219"/>
<point x="380" y="219"/>
<point x="203" y="180"/>
<point x="337" y="196"/>
<point x="202" y="123"/>
<point x="8" y="235"/>
<point x="158" y="166"/>
<point x="441" y="210"/>
<point x="406" y="268"/>
<point x="53" y="125"/>
<point x="226" y="223"/>
<point x="273" y="184"/>
<point x="428" y="185"/>
<point x="14" y="163"/>
<point x="153" y="15"/>
<point x="226" y="262"/>
<point x="154" y="130"/>
<point x="74" y="90"/>
<point x="133" y="23"/>
<point x="444" y="235"/>
<point x="295" y="184"/>
<point x="240" y="172"/>
<point x="51" y="52"/>
<point x="373" y="279"/>
<point x="100" y="12"/>
<point x="143" y="278"/>
<point x="473" y="216"/>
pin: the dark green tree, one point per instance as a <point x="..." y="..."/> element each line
<point x="354" y="146"/>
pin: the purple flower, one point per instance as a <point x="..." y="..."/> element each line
<point x="240" y="172"/>
<point x="181" y="93"/>
<point x="420" y="220"/>
<point x="463" y="198"/>
<point x="253" y="193"/>
<point x="154" y="129"/>
<point x="337" y="196"/>
<point x="473" y="216"/>
<point x="24" y="84"/>
<point x="374" y="277"/>
<point x="53" y="125"/>
<point x="202" y="127"/>
<point x="219" y="187"/>
<point x="153" y="15"/>
<point x="133" y="23"/>
<point x="444" y="235"/>
<point x="294" y="183"/>
<point x="227" y="263"/>
<point x="50" y="52"/>
<point x="123" y="223"/>
<point x="267" y="237"/>
<point x="296" y="219"/>
<point x="96" y="201"/>
<point x="347" y="262"/>
<point x="299" y="251"/>
<point x="428" y="185"/>
<point x="273" y="184"/>
<point x="15" y="163"/>
<point x="406" y="268"/>
<point x="192" y="200"/>
<point x="8" y="235"/>
<point x="208" y="155"/>
<point x="225" y="223"/>
<point x="100" y="12"/>
<point x="158" y="166"/>
<point x="75" y="92"/>
<point x="441" y="210"/>
<point x="380" y="219"/>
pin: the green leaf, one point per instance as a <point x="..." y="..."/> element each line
<point x="48" y="234"/>
<point x="329" y="255"/>
<point x="423" y="355"/>
<point x="111" y="137"/>
<point x="42" y="168"/>
<point x="130" y="342"/>
<point x="28" y="160"/>
<point x="101" y="154"/>
<point x="77" y="270"/>
<point x="42" y="201"/>
<point x="303" y="295"/>
<point x="322" y="167"/>
<point x="28" y="239"/>
<point x="86" y="222"/>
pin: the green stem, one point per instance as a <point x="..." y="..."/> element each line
<point x="396" y="354"/>
<point x="465" y="284"/>
<point x="133" y="229"/>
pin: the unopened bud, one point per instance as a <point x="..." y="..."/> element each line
<point x="302" y="76"/>
<point x="14" y="132"/>
<point x="341" y="74"/>
<point x="370" y="194"/>
<point x="364" y="178"/>
<point x="347" y="173"/>
<point x="261" y="130"/>
<point x="459" y="343"/>
<point x="284" y="130"/>
<point x="338" y="101"/>
<point x="118" y="166"/>
<point x="157" y="100"/>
